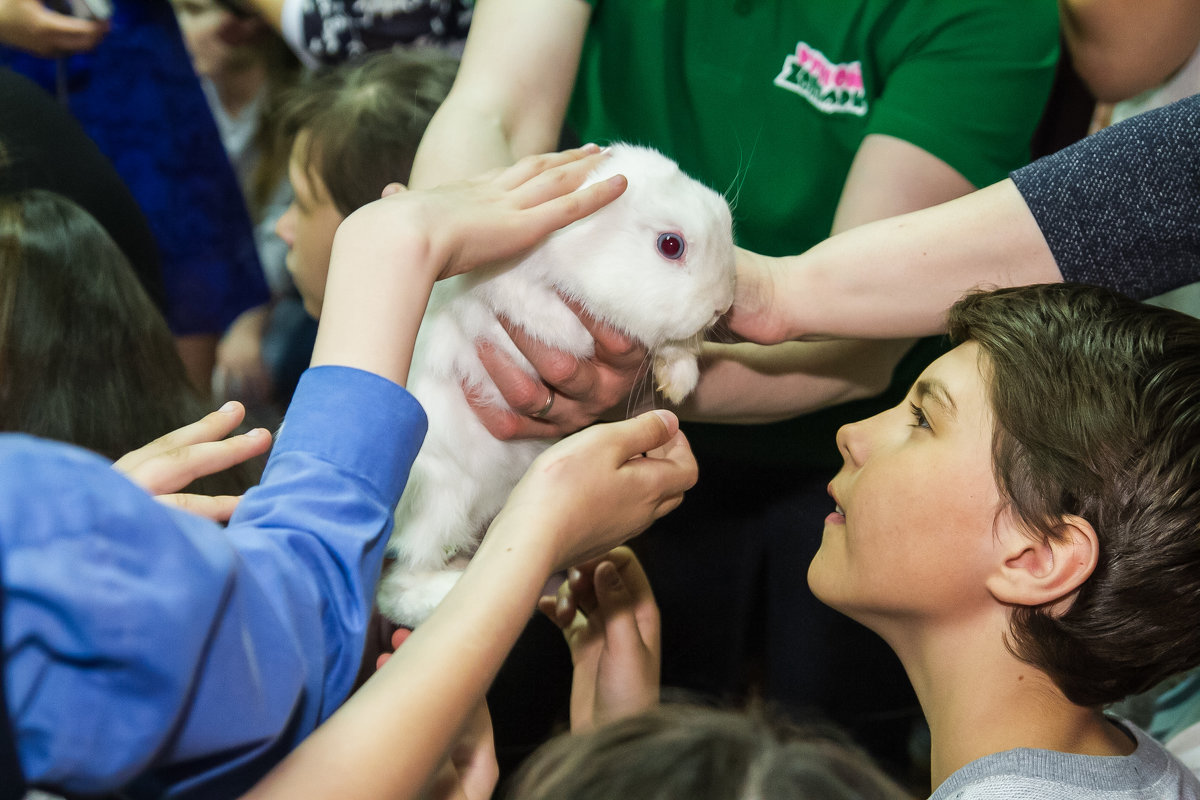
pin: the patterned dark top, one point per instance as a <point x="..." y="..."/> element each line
<point x="1119" y="208"/>
<point x="338" y="30"/>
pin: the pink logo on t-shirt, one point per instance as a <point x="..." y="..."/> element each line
<point x="832" y="88"/>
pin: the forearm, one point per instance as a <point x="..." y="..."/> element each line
<point x="421" y="698"/>
<point x="897" y="277"/>
<point x="375" y="297"/>
<point x="511" y="92"/>
<point x="460" y="141"/>
<point x="752" y="384"/>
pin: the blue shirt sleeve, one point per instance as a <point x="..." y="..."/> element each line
<point x="142" y="642"/>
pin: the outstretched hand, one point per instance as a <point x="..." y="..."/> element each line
<point x="496" y="215"/>
<point x="600" y="487"/>
<point x="583" y="389"/>
<point x="30" y="26"/>
<point x="387" y="254"/>
<point x="607" y="614"/>
<point x="171" y="462"/>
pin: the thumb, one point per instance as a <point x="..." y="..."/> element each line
<point x="650" y="430"/>
<point x="611" y="591"/>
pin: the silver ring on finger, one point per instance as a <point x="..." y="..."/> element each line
<point x="544" y="410"/>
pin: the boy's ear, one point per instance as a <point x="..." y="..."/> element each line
<point x="1034" y="572"/>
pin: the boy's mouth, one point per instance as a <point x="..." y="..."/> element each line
<point x="839" y="514"/>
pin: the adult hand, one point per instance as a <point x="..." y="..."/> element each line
<point x="580" y="390"/>
<point x="171" y="462"/>
<point x="755" y="316"/>
<point x="597" y="488"/>
<point x="608" y="616"/>
<point x="30" y="26"/>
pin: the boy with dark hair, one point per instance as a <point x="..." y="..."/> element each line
<point x="1023" y="532"/>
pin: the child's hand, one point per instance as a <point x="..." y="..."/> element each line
<point x="583" y="390"/>
<point x="609" y="618"/>
<point x="598" y="488"/>
<point x="496" y="215"/>
<point x="171" y="462"/>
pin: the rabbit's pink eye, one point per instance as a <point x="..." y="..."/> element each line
<point x="671" y="245"/>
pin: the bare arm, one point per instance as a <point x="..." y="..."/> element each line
<point x="581" y="497"/>
<point x="1121" y="48"/>
<point x="511" y="92"/>
<point x="895" y="277"/>
<point x="751" y="383"/>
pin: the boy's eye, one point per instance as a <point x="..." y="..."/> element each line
<point x="919" y="420"/>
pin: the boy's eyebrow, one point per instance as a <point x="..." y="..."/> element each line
<point x="936" y="391"/>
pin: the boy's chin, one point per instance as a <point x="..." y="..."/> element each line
<point x="823" y="585"/>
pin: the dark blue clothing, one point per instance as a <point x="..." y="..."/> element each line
<point x="139" y="100"/>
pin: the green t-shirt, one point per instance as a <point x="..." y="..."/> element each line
<point x="768" y="102"/>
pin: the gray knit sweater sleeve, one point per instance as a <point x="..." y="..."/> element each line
<point x="1121" y="208"/>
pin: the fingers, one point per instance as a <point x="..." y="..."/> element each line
<point x="547" y="185"/>
<point x="398" y="637"/>
<point x="585" y="379"/>
<point x="175" y="468"/>
<point x="653" y="431"/>
<point x="584" y="388"/>
<point x="612" y="590"/>
<point x="218" y="508"/>
<point x="613" y="348"/>
<point x="50" y="33"/>
<point x="178" y="468"/>
<point x="523" y="393"/>
<point x="211" y="427"/>
<point x="578" y="160"/>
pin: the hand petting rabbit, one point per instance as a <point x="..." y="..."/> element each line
<point x="657" y="264"/>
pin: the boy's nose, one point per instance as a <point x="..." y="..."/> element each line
<point x="852" y="444"/>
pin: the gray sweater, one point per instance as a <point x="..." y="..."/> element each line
<point x="1149" y="773"/>
<point x="1119" y="208"/>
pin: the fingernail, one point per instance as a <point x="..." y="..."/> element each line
<point x="562" y="606"/>
<point x="229" y="407"/>
<point x="612" y="577"/>
<point x="574" y="574"/>
<point x="258" y="433"/>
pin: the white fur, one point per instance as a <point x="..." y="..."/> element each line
<point x="608" y="261"/>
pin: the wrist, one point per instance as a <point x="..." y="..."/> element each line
<point x="380" y="277"/>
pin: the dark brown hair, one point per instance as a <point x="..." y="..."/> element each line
<point x="1097" y="406"/>
<point x="364" y="120"/>
<point x="701" y="753"/>
<point x="85" y="356"/>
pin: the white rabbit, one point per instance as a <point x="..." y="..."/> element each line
<point x="657" y="263"/>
